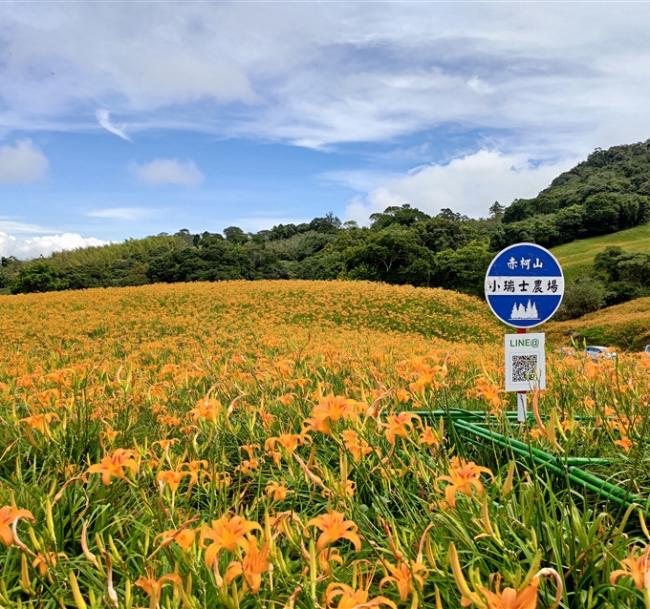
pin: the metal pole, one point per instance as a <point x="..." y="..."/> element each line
<point x="521" y="395"/>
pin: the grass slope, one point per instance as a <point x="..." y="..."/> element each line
<point x="626" y="326"/>
<point x="578" y="256"/>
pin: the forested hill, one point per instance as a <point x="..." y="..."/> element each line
<point x="608" y="192"/>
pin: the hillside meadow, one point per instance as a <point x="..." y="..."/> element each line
<point x="625" y="326"/>
<point x="578" y="256"/>
<point x="291" y="444"/>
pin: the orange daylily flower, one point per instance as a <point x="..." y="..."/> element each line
<point x="637" y="567"/>
<point x="226" y="533"/>
<point x="465" y="478"/>
<point x="399" y="425"/>
<point x="254" y="564"/>
<point x="328" y="556"/>
<point x="8" y="516"/>
<point x="429" y="437"/>
<point x="194" y="469"/>
<point x="349" y="598"/>
<point x="333" y="408"/>
<point x="509" y="598"/>
<point x="276" y="491"/>
<point x="40" y="422"/>
<point x="171" y="478"/>
<point x="183" y="537"/>
<point x="357" y="446"/>
<point x="288" y="441"/>
<point x="625" y="443"/>
<point x="207" y="409"/>
<point x="405" y="576"/>
<point x="333" y="527"/>
<point x="114" y="465"/>
<point x="153" y="587"/>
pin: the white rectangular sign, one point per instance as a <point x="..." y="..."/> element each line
<point x="518" y="286"/>
<point x="525" y="362"/>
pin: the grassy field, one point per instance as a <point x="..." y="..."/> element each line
<point x="577" y="257"/>
<point x="626" y="326"/>
<point x="288" y="445"/>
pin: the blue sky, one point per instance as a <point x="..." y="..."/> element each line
<point x="121" y="120"/>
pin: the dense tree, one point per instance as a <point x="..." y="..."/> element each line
<point x="234" y="234"/>
<point x="403" y="215"/>
<point x="496" y="211"/>
<point x="581" y="296"/>
<point x="626" y="274"/>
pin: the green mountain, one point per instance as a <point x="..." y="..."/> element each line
<point x="603" y="201"/>
<point x="608" y="192"/>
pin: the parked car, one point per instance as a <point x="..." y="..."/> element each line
<point x="596" y="352"/>
<point x="647" y="350"/>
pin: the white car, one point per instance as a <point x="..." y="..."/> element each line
<point x="647" y="350"/>
<point x="597" y="351"/>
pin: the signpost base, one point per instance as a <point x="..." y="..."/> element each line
<point x="521" y="407"/>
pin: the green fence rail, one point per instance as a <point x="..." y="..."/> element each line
<point x="469" y="425"/>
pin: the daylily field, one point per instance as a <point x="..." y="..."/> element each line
<point x="291" y="444"/>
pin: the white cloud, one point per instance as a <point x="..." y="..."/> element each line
<point x="43" y="245"/>
<point x="104" y="120"/>
<point x="168" y="171"/>
<point x="22" y="162"/>
<point x="121" y="213"/>
<point x="468" y="185"/>
<point x="322" y="74"/>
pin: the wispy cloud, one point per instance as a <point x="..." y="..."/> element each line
<point x="22" y="161"/>
<point x="121" y="213"/>
<point x="9" y="225"/>
<point x="104" y="120"/>
<point x="168" y="171"/>
<point x="227" y="70"/>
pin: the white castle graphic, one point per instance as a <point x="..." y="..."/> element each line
<point x="527" y="312"/>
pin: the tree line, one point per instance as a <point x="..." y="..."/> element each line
<point x="606" y="193"/>
<point x="402" y="245"/>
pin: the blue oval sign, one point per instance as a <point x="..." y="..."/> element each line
<point x="524" y="285"/>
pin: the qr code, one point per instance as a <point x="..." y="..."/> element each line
<point x="524" y="368"/>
